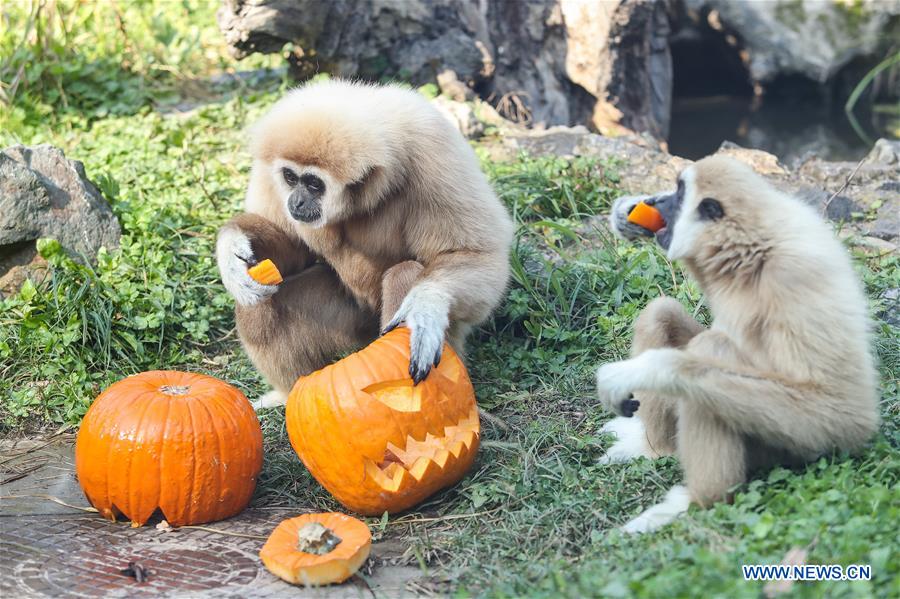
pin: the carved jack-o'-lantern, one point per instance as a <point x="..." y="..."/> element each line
<point x="376" y="441"/>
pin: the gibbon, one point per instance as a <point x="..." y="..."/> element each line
<point x="785" y="372"/>
<point x="374" y="208"/>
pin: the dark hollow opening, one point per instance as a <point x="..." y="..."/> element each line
<point x="707" y="62"/>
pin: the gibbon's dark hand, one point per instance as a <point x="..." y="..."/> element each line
<point x="630" y="406"/>
<point x="425" y="313"/>
<point x="618" y="218"/>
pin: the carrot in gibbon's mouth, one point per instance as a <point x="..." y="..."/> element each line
<point x="646" y="216"/>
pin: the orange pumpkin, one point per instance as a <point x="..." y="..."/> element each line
<point x="373" y="439"/>
<point x="317" y="549"/>
<point x="187" y="444"/>
<point x="646" y="216"/>
<point x="266" y="273"/>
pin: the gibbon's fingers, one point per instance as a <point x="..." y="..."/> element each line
<point x="425" y="310"/>
<point x="618" y="218"/>
<point x="235" y="255"/>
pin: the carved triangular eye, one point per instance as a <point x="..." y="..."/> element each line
<point x="710" y="209"/>
<point x="402" y="395"/>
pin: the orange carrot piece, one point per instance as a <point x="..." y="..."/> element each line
<point x="646" y="216"/>
<point x="266" y="273"/>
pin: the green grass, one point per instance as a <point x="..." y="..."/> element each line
<point x="537" y="514"/>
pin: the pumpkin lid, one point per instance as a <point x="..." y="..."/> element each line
<point x="317" y="549"/>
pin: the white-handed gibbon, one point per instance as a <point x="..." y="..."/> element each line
<point x="374" y="208"/>
<point x="785" y="372"/>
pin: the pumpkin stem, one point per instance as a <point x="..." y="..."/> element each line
<point x="174" y="390"/>
<point x="316" y="539"/>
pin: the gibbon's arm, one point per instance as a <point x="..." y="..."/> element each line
<point x="708" y="373"/>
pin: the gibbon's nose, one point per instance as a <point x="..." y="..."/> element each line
<point x="668" y="206"/>
<point x="297" y="203"/>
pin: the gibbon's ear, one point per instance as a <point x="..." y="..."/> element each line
<point x="710" y="209"/>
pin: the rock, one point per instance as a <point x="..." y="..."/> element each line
<point x="841" y="208"/>
<point x="462" y="115"/>
<point x="812" y="38"/>
<point x="542" y="62"/>
<point x="885" y="152"/>
<point x="453" y="88"/>
<point x="891" y="312"/>
<point x="42" y="194"/>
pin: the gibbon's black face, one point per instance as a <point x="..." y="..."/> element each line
<point x="307" y="191"/>
<point x="669" y="206"/>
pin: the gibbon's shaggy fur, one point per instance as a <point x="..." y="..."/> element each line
<point x="783" y="375"/>
<point x="369" y="202"/>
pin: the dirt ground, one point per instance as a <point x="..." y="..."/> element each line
<point x="53" y="545"/>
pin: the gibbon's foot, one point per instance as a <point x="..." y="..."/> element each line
<point x="235" y="255"/>
<point x="676" y="503"/>
<point x="631" y="441"/>
<point x="272" y="399"/>
<point x="425" y="311"/>
<point x="618" y="217"/>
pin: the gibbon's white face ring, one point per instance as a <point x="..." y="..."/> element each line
<point x="328" y="202"/>
<point x="688" y="224"/>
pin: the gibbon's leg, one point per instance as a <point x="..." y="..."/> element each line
<point x="298" y="326"/>
<point x="307" y="324"/>
<point x="713" y="456"/>
<point x="651" y="433"/>
<point x="395" y="285"/>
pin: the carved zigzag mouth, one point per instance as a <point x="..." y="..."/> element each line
<point x="423" y="459"/>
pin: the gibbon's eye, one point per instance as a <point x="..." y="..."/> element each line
<point x="290" y="177"/>
<point x="710" y="209"/>
<point x="313" y="183"/>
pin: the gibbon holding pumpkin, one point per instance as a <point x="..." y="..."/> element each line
<point x="374" y="208"/>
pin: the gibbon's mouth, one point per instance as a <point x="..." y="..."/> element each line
<point x="308" y="217"/>
<point x="664" y="237"/>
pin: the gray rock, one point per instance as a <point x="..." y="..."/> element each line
<point x="42" y="194"/>
<point x="891" y="312"/>
<point x="841" y="209"/>
<point x="462" y="115"/>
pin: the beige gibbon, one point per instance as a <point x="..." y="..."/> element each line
<point x="375" y="209"/>
<point x="785" y="372"/>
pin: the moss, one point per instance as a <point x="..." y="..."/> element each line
<point x="791" y="13"/>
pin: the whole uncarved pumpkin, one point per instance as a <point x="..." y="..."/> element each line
<point x="187" y="444"/>
<point x="376" y="441"/>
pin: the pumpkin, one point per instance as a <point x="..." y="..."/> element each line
<point x="376" y="441"/>
<point x="187" y="444"/>
<point x="646" y="216"/>
<point x="317" y="549"/>
<point x="265" y="272"/>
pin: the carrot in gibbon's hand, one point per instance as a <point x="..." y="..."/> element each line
<point x="265" y="273"/>
<point x="646" y="216"/>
